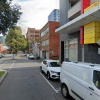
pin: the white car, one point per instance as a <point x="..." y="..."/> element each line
<point x="51" y="68"/>
<point x="31" y="57"/>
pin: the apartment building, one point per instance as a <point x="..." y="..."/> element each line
<point x="79" y="31"/>
<point x="49" y="41"/>
<point x="54" y="15"/>
<point x="32" y="34"/>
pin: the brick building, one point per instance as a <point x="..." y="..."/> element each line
<point x="1" y="47"/>
<point x="49" y="41"/>
<point x="32" y="34"/>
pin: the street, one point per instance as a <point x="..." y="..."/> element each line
<point x="25" y="82"/>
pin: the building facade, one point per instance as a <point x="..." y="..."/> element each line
<point x="49" y="48"/>
<point x="36" y="49"/>
<point x="32" y="35"/>
<point x="79" y="31"/>
<point x="1" y="48"/>
<point x="54" y="15"/>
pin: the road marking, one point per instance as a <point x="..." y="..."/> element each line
<point x="11" y="65"/>
<point x="49" y="83"/>
<point x="4" y="63"/>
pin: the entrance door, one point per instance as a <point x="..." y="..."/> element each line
<point x="73" y="50"/>
<point x="47" y="55"/>
<point x="62" y="51"/>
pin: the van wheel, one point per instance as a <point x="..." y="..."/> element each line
<point x="65" y="91"/>
<point x="48" y="76"/>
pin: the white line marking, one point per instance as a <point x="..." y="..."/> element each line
<point x="4" y="63"/>
<point x="11" y="66"/>
<point x="49" y="84"/>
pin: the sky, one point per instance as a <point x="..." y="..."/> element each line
<point x="35" y="12"/>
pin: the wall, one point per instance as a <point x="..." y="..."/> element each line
<point x="64" y="7"/>
<point x="53" y="40"/>
<point x="91" y="53"/>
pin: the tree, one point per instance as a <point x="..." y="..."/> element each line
<point x="9" y="15"/>
<point x="37" y="39"/>
<point x="26" y="49"/>
<point x="15" y="40"/>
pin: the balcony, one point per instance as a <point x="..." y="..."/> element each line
<point x="74" y="11"/>
<point x="84" y="19"/>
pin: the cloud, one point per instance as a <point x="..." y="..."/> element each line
<point x="35" y="12"/>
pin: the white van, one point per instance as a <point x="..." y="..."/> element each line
<point x="80" y="80"/>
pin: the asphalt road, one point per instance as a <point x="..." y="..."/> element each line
<point x="25" y="82"/>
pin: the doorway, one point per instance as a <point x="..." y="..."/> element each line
<point x="62" y="51"/>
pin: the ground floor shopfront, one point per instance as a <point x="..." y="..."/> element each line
<point x="75" y="52"/>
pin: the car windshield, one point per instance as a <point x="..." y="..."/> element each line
<point x="96" y="79"/>
<point x="54" y="64"/>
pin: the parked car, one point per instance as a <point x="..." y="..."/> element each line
<point x="27" y="55"/>
<point x="0" y="56"/>
<point x="31" y="56"/>
<point x="51" y="68"/>
<point x="80" y="80"/>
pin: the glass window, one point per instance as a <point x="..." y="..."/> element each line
<point x="66" y="46"/>
<point x="66" y="53"/>
<point x="54" y="64"/>
<point x="45" y="62"/>
<point x="96" y="79"/>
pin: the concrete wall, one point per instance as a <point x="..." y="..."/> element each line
<point x="91" y="53"/>
<point x="64" y="7"/>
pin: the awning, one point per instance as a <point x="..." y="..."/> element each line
<point x="75" y="24"/>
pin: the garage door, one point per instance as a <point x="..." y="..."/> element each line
<point x="73" y="50"/>
<point x="47" y="55"/>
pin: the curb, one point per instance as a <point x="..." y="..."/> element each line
<point x="2" y="78"/>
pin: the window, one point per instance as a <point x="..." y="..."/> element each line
<point x="96" y="78"/>
<point x="31" y="31"/>
<point x="46" y="42"/>
<point x="45" y="62"/>
<point x="31" y="35"/>
<point x="66" y="49"/>
<point x="43" y="43"/>
<point x="36" y="35"/>
<point x="56" y="27"/>
<point x="54" y="64"/>
<point x="36" y="31"/>
<point x="45" y="32"/>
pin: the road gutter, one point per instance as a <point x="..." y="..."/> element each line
<point x="2" y="78"/>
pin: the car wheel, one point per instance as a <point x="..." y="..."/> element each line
<point x="65" y="91"/>
<point x="48" y="76"/>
